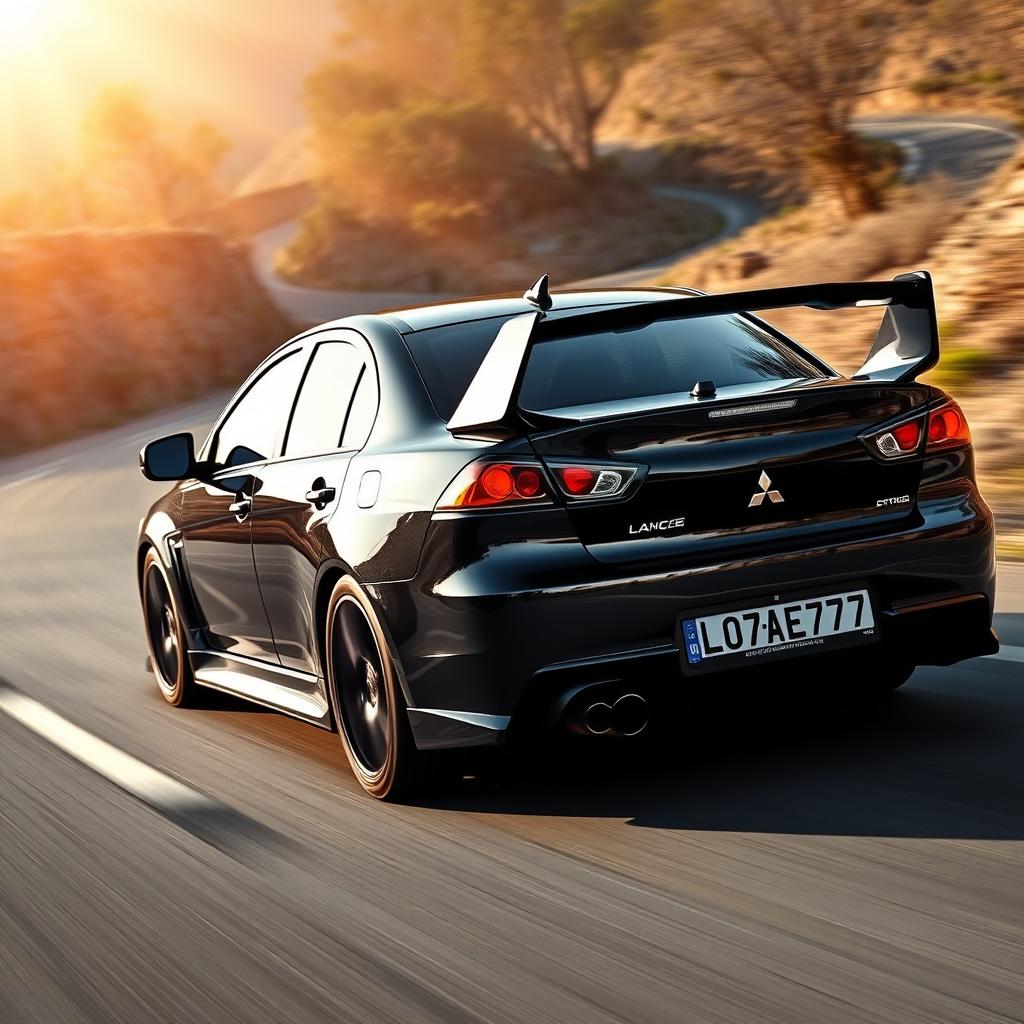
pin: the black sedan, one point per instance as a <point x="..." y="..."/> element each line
<point x="445" y="527"/>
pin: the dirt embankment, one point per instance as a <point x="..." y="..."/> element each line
<point x="978" y="272"/>
<point x="949" y="57"/>
<point x="975" y="256"/>
<point x="97" y="326"/>
<point x="571" y="236"/>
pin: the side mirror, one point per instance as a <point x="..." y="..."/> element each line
<point x="169" y="458"/>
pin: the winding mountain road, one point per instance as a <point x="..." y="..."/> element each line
<point x="965" y="152"/>
<point x="786" y="861"/>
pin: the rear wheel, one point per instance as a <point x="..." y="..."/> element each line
<point x="366" y="698"/>
<point x="165" y="633"/>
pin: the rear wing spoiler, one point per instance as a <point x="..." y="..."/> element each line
<point x="905" y="345"/>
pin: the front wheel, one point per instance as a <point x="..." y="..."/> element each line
<point x="366" y="698"/>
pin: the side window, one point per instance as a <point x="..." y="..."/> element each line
<point x="324" y="399"/>
<point x="363" y="411"/>
<point x="250" y="431"/>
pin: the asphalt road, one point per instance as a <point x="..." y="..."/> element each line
<point x="787" y="859"/>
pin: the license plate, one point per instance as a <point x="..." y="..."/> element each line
<point x="776" y="630"/>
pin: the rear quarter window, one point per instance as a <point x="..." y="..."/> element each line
<point x="664" y="358"/>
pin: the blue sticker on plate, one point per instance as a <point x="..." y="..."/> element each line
<point x="693" y="655"/>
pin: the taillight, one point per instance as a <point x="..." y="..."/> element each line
<point x="947" y="428"/>
<point x="586" y="481"/>
<point x="901" y="440"/>
<point x="490" y="484"/>
<point x="944" y="427"/>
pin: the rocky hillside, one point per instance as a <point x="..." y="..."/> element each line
<point x="814" y="243"/>
<point x="95" y="326"/>
<point x="962" y="56"/>
<point x="954" y="56"/>
<point x="978" y="269"/>
<point x="975" y="256"/>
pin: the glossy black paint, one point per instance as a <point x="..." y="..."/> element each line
<point x="289" y="533"/>
<point x="491" y="614"/>
<point x="699" y="469"/>
<point x="217" y="550"/>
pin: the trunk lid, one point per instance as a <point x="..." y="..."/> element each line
<point x="755" y="467"/>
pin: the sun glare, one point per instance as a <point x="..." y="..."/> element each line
<point x="190" y="58"/>
<point x="19" y="19"/>
<point x="24" y="23"/>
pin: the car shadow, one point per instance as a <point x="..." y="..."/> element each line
<point x="940" y="758"/>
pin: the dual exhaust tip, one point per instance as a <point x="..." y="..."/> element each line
<point x="626" y="716"/>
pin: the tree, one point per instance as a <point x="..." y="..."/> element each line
<point x="411" y="43"/>
<point x="554" y="65"/>
<point x="794" y="70"/>
<point x="549" y="66"/>
<point x="137" y="171"/>
<point x="399" y="139"/>
<point x="424" y="164"/>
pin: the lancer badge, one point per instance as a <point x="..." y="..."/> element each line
<point x="764" y="481"/>
<point x="658" y="526"/>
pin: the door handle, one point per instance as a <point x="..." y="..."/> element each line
<point x="320" y="496"/>
<point x="241" y="508"/>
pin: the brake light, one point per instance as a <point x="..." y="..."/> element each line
<point x="577" y="481"/>
<point x="944" y="428"/>
<point x="907" y="436"/>
<point x="947" y="428"/>
<point x="490" y="484"/>
<point x="901" y="440"/>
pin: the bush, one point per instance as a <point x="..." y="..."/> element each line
<point x="929" y="85"/>
<point x="96" y="326"/>
<point x="466" y="160"/>
<point x="959" y="369"/>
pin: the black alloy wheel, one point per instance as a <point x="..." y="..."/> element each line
<point x="366" y="697"/>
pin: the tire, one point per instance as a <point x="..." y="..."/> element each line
<point x="166" y="636"/>
<point x="366" y="698"/>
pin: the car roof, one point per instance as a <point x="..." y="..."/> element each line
<point x="458" y="311"/>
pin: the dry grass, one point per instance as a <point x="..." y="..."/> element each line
<point x="975" y="256"/>
<point x="812" y="243"/>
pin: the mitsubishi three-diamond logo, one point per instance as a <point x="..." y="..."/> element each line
<point x="764" y="481"/>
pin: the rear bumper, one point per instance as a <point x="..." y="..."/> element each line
<point x="521" y="623"/>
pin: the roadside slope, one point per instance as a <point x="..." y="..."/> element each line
<point x="96" y="326"/>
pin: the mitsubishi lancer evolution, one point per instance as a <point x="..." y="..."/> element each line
<point x="440" y="528"/>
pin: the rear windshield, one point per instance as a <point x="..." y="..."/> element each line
<point x="663" y="358"/>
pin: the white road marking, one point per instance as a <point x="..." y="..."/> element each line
<point x="129" y="773"/>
